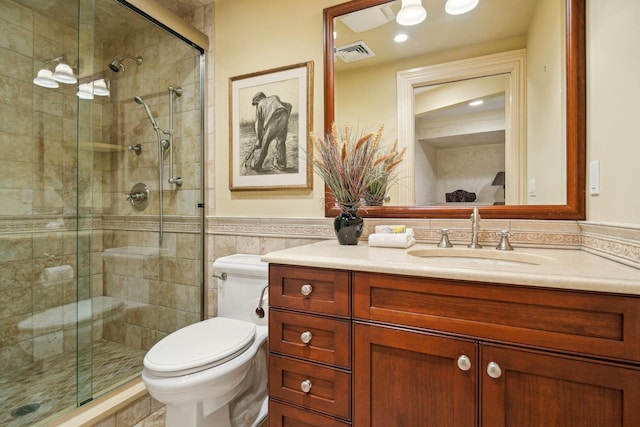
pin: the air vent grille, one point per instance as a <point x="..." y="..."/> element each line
<point x="354" y="52"/>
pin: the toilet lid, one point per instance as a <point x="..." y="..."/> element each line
<point x="199" y="346"/>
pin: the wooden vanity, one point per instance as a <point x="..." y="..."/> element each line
<point x="367" y="348"/>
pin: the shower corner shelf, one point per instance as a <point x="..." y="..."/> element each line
<point x="99" y="147"/>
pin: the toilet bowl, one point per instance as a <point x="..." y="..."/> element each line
<point x="214" y="372"/>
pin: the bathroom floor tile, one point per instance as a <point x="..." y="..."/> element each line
<point x="51" y="383"/>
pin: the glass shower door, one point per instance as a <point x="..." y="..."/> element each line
<point x="86" y="287"/>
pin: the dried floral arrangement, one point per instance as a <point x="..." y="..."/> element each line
<point x="356" y="167"/>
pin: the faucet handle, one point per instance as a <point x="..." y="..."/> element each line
<point x="444" y="239"/>
<point x="504" y="244"/>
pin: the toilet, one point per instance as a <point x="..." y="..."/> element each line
<point x="214" y="372"/>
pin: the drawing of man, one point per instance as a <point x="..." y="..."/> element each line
<point x="272" y="121"/>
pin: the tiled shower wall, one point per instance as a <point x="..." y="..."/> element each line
<point x="38" y="189"/>
<point x="40" y="197"/>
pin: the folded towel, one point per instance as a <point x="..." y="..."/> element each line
<point x="391" y="228"/>
<point x="392" y="240"/>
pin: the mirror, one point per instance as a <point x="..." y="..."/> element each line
<point x="456" y="57"/>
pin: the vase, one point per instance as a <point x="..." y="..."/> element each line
<point x="371" y="200"/>
<point x="348" y="227"/>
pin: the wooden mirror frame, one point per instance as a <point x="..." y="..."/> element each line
<point x="574" y="209"/>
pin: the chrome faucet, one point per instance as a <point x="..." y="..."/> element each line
<point x="475" y="227"/>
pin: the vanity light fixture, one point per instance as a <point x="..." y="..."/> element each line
<point x="458" y="7"/>
<point x="45" y="79"/>
<point x="401" y="38"/>
<point x="411" y="13"/>
<point x="64" y="74"/>
<point x="85" y="91"/>
<point x="476" y="103"/>
<point x="100" y="88"/>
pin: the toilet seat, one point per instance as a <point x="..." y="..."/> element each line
<point x="199" y="346"/>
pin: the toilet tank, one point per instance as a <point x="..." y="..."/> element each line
<point x="241" y="278"/>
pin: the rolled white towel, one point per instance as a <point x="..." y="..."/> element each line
<point x="392" y="240"/>
<point x="391" y="229"/>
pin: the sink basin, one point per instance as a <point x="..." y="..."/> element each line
<point x="479" y="257"/>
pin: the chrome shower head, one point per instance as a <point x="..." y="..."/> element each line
<point x="116" y="65"/>
<point x="146" y="107"/>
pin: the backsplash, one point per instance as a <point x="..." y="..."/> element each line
<point x="228" y="235"/>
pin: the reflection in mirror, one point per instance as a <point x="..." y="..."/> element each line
<point x="540" y="142"/>
<point x="460" y="141"/>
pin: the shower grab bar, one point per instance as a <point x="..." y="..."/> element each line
<point x="160" y="179"/>
<point x="178" y="92"/>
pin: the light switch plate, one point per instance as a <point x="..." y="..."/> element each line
<point x="594" y="178"/>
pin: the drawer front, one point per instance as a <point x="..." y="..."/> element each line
<point x="573" y="321"/>
<point x="288" y="416"/>
<point x="315" y="338"/>
<point x="312" y="290"/>
<point x="329" y="390"/>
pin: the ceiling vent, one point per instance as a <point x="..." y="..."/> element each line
<point x="369" y="18"/>
<point x="354" y="52"/>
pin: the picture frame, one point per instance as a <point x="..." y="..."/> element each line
<point x="270" y="117"/>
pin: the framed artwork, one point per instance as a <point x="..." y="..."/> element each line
<point x="269" y="124"/>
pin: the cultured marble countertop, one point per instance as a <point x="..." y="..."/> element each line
<point x="555" y="268"/>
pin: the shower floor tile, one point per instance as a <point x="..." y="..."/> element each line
<point x="51" y="382"/>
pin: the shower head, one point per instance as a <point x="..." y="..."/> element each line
<point x="116" y="65"/>
<point x="146" y="107"/>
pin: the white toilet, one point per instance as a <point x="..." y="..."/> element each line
<point x="214" y="372"/>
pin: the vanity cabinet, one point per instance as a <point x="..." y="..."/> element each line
<point x="449" y="353"/>
<point x="395" y="350"/>
<point x="309" y="347"/>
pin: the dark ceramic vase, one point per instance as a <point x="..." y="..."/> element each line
<point x="348" y="227"/>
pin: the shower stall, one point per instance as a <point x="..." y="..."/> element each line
<point x="101" y="213"/>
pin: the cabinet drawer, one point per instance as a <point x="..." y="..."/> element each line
<point x="314" y="290"/>
<point x="287" y="416"/>
<point x="328" y="340"/>
<point x="330" y="389"/>
<point x="596" y="324"/>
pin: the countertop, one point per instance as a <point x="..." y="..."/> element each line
<point x="552" y="268"/>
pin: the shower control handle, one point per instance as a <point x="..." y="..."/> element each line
<point x="138" y="196"/>
<point x="306" y="289"/>
<point x="305" y="337"/>
<point x="305" y="386"/>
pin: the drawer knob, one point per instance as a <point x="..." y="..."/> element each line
<point x="305" y="386"/>
<point x="306" y="289"/>
<point x="464" y="363"/>
<point x="305" y="337"/>
<point x="493" y="369"/>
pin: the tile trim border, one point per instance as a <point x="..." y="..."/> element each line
<point x="618" y="243"/>
<point x="565" y="234"/>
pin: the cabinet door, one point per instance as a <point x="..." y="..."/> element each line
<point x="530" y="389"/>
<point x="410" y="379"/>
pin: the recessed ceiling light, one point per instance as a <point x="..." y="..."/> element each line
<point x="400" y="38"/>
<point x="476" y="102"/>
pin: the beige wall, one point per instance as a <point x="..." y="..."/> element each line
<point x="254" y="35"/>
<point x="546" y="158"/>
<point x="613" y="111"/>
